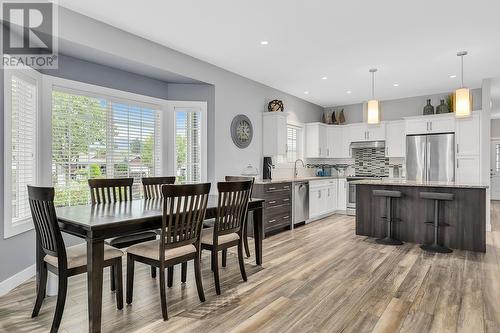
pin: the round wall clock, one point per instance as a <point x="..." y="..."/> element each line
<point x="241" y="131"/>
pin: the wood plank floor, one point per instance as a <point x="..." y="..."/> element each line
<point x="317" y="278"/>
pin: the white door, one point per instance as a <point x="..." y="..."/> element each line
<point x="495" y="169"/>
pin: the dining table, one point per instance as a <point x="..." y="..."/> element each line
<point x="98" y="222"/>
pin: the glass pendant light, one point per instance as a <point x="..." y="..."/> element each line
<point x="462" y="95"/>
<point x="373" y="114"/>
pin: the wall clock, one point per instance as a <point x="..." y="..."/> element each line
<point x="241" y="131"/>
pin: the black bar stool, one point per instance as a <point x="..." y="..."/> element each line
<point x="389" y="196"/>
<point x="437" y="197"/>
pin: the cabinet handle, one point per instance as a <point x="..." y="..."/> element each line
<point x="430" y="123"/>
<point x="457" y="148"/>
<point x="428" y="126"/>
<point x="271" y="221"/>
<point x="319" y="194"/>
<point x="272" y="202"/>
<point x="328" y="192"/>
<point x="271" y="188"/>
<point x="286" y="200"/>
<point x="328" y="151"/>
<point x="286" y="217"/>
<point x="457" y="163"/>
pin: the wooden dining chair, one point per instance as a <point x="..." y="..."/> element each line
<point x="184" y="208"/>
<point x="227" y="232"/>
<point x="152" y="190"/>
<point x="245" y="222"/>
<point x="152" y="186"/>
<point x="113" y="190"/>
<point x="58" y="259"/>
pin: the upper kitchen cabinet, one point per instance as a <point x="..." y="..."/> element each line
<point x="467" y="135"/>
<point x="363" y="132"/>
<point x="441" y="123"/>
<point x="334" y="141"/>
<point x="375" y="132"/>
<point x="316" y="140"/>
<point x="274" y="133"/>
<point x="395" y="139"/>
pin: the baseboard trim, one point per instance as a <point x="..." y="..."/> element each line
<point x="17" y="279"/>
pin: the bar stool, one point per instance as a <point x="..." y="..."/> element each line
<point x="389" y="196"/>
<point x="437" y="197"/>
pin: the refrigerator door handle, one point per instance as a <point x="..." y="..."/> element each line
<point x="428" y="157"/>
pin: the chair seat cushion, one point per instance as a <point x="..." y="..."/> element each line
<point x="207" y="237"/>
<point x="77" y="255"/>
<point x="151" y="250"/>
<point x="128" y="240"/>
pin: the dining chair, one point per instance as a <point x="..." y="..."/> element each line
<point x="152" y="186"/>
<point x="232" y="208"/>
<point x="184" y="208"/>
<point x="111" y="190"/>
<point x="58" y="259"/>
<point x="152" y="190"/>
<point x="245" y="222"/>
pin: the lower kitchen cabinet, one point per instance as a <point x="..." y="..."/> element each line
<point x="322" y="197"/>
<point x="277" y="206"/>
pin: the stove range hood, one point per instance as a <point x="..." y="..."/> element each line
<point x="367" y="144"/>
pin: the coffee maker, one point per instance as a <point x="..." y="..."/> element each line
<point x="267" y="168"/>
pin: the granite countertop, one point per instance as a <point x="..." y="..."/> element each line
<point x="296" y="179"/>
<point x="404" y="182"/>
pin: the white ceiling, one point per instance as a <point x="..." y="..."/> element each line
<point x="412" y="43"/>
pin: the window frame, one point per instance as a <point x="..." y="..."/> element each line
<point x="45" y="85"/>
<point x="28" y="74"/>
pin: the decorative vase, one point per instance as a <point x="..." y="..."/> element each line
<point x="442" y="108"/>
<point x="341" y="117"/>
<point x="333" y="119"/>
<point x="428" y="108"/>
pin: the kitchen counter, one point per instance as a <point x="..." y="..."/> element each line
<point x="295" y="179"/>
<point x="404" y="182"/>
<point x="465" y="215"/>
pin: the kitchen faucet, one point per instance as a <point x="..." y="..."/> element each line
<point x="295" y="172"/>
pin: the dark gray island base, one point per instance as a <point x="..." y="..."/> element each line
<point x="466" y="214"/>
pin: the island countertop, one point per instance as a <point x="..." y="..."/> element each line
<point x="413" y="183"/>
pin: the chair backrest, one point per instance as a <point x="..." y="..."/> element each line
<point x="231" y="207"/>
<point x="41" y="200"/>
<point x="110" y="190"/>
<point x="184" y="208"/>
<point x="241" y="179"/>
<point x="152" y="186"/>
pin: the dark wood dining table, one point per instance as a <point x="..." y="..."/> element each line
<point x="98" y="222"/>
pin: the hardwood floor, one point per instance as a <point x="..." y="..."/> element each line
<point x="319" y="277"/>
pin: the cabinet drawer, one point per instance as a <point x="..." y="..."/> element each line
<point x="277" y="211"/>
<point x="286" y="200"/>
<point x="279" y="187"/>
<point x="278" y="222"/>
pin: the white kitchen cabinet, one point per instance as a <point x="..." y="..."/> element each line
<point x="467" y="135"/>
<point x="395" y="145"/>
<point x="345" y="148"/>
<point x="341" y="194"/>
<point x="334" y="141"/>
<point x="357" y="132"/>
<point x="467" y="169"/>
<point x="442" y="123"/>
<point x="375" y="132"/>
<point x="274" y="133"/>
<point x="316" y="140"/>
<point x="322" y="197"/>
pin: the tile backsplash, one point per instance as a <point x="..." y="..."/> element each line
<point x="370" y="161"/>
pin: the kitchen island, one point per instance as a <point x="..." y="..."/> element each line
<point x="465" y="214"/>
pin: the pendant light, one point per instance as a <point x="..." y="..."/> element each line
<point x="373" y="114"/>
<point x="462" y="95"/>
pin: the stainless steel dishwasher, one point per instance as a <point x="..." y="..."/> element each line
<point x="300" y="202"/>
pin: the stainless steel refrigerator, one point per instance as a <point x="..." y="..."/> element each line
<point x="430" y="157"/>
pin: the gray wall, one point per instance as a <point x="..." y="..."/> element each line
<point x="227" y="94"/>
<point x="403" y="107"/>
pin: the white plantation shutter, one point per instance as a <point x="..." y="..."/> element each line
<point x="292" y="143"/>
<point x="96" y="137"/>
<point x="188" y="131"/>
<point x="21" y="119"/>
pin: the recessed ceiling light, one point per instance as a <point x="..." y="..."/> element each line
<point x="453" y="76"/>
<point x="396" y="84"/>
<point x="324" y="78"/>
<point x="264" y="42"/>
<point x="306" y="92"/>
<point x="348" y="91"/>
